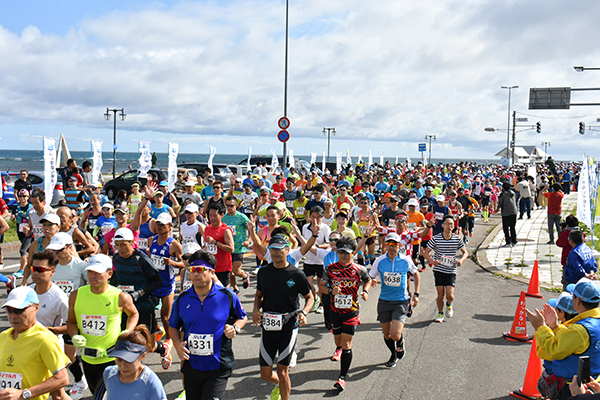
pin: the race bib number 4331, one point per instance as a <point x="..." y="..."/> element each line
<point x="94" y="325"/>
<point x="200" y="345"/>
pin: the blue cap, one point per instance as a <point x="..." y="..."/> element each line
<point x="21" y="297"/>
<point x="127" y="351"/>
<point x="564" y="302"/>
<point x="278" y="242"/>
<point x="163" y="183"/>
<point x="586" y="289"/>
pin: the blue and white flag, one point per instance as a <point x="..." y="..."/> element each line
<point x="96" y="162"/>
<point x="49" y="168"/>
<point x="213" y="151"/>
<point x="173" y="151"/>
<point x="145" y="160"/>
<point x="274" y="160"/>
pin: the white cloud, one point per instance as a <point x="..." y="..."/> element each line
<point x="384" y="73"/>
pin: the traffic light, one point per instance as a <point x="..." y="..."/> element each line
<point x="581" y="128"/>
<point x="538" y="127"/>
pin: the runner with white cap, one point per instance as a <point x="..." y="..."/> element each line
<point x="50" y="226"/>
<point x="394" y="271"/>
<point x="191" y="194"/>
<point x="33" y="363"/>
<point x="122" y="216"/>
<point x="94" y="322"/>
<point x="191" y="230"/>
<point x="104" y="223"/>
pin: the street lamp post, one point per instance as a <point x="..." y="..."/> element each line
<point x="107" y="117"/>
<point x="510" y="88"/>
<point x="546" y="144"/>
<point x="429" y="137"/>
<point x="329" y="131"/>
<point x="581" y="69"/>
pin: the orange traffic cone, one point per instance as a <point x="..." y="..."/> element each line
<point x="534" y="370"/>
<point x="518" y="332"/>
<point x="534" y="283"/>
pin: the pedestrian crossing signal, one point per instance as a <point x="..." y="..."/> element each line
<point x="581" y="128"/>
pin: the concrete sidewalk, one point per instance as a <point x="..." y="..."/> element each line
<point x="532" y="238"/>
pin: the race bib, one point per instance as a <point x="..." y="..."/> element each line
<point x="22" y="226"/>
<point x="158" y="261"/>
<point x="300" y="210"/>
<point x="392" y="223"/>
<point x="66" y="286"/>
<point x="289" y="203"/>
<point x="363" y="229"/>
<point x="411" y="226"/>
<point x="272" y="322"/>
<point x="10" y="380"/>
<point x="211" y="248"/>
<point x="438" y="215"/>
<point x="343" y="301"/>
<point x="94" y="325"/>
<point x="186" y="285"/>
<point x="402" y="250"/>
<point x="135" y="202"/>
<point x="392" y="278"/>
<point x="200" y="345"/>
<point x="447" y="261"/>
<point x="233" y="229"/>
<point x="187" y="239"/>
<point x="143" y="244"/>
<point x="126" y="288"/>
<point x="38" y="232"/>
<point x="105" y="229"/>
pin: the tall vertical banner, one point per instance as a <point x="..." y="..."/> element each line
<point x="408" y="163"/>
<point x="96" y="161"/>
<point x="381" y="157"/>
<point x="360" y="160"/>
<point x="338" y="162"/>
<point x="313" y="158"/>
<point x="274" y="160"/>
<point x="173" y="151"/>
<point x="583" y="195"/>
<point x="291" y="158"/>
<point x="145" y="160"/>
<point x="249" y="166"/>
<point x="49" y="168"/>
<point x="348" y="158"/>
<point x="213" y="151"/>
<point x="396" y="163"/>
<point x="370" y="159"/>
<point x="323" y="163"/>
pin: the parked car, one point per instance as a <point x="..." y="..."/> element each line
<point x="299" y="165"/>
<point x="240" y="170"/>
<point x="221" y="172"/>
<point x="37" y="182"/>
<point x="126" y="179"/>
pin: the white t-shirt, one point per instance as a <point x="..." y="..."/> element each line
<point x="294" y="255"/>
<point x="54" y="307"/>
<point x="35" y="221"/>
<point x="322" y="239"/>
<point x="71" y="276"/>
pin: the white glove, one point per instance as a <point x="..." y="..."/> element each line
<point x="79" y="341"/>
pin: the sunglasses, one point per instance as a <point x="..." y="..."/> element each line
<point x="392" y="244"/>
<point x="334" y="240"/>
<point x="40" y="269"/>
<point x="364" y="202"/>
<point x="199" y="269"/>
<point x="229" y="205"/>
<point x="16" y="311"/>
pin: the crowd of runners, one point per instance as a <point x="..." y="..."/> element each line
<point x="93" y="273"/>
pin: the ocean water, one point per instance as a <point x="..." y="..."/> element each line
<point x="32" y="160"/>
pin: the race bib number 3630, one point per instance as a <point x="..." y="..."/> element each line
<point x="94" y="325"/>
<point x="200" y="345"/>
<point x="10" y="380"/>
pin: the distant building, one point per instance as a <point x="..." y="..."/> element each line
<point x="525" y="154"/>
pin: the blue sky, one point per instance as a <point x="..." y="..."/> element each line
<point x="383" y="73"/>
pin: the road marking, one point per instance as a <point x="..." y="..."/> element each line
<point x="10" y="266"/>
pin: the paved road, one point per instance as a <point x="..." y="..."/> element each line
<point x="465" y="357"/>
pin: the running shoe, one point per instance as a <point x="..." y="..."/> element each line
<point x="440" y="317"/>
<point x="159" y="334"/>
<point x="10" y="285"/>
<point x="337" y="355"/>
<point x="340" y="384"/>
<point x="316" y="303"/>
<point x="78" y="388"/>
<point x="449" y="311"/>
<point x="236" y="291"/>
<point x="400" y="351"/>
<point x="181" y="395"/>
<point x="246" y="281"/>
<point x="423" y="269"/>
<point x="255" y="272"/>
<point x="275" y="393"/>
<point x="167" y="360"/>
<point x="319" y="309"/>
<point x="391" y="363"/>
<point x="18" y="274"/>
<point x="159" y="305"/>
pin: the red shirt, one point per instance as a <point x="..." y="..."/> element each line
<point x="279" y="187"/>
<point x="554" y="202"/>
<point x="223" y="258"/>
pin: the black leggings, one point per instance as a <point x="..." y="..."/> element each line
<point x="93" y="373"/>
<point x="204" y="385"/>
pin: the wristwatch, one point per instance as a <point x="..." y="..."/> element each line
<point x="236" y="329"/>
<point x="416" y="294"/>
<point x="26" y="394"/>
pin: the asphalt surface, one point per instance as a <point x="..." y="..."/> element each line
<point x="465" y="357"/>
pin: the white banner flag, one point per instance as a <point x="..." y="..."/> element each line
<point x="145" y="160"/>
<point x="173" y="151"/>
<point x="249" y="166"/>
<point x="323" y="163"/>
<point x="291" y="159"/>
<point x="583" y="198"/>
<point x="313" y="158"/>
<point x="213" y="151"/>
<point x="338" y="162"/>
<point x="49" y="168"/>
<point x="408" y="163"/>
<point x="274" y="160"/>
<point x="348" y="158"/>
<point x="96" y="162"/>
<point x="396" y="163"/>
<point x="360" y="160"/>
<point x="370" y="159"/>
<point x="381" y="158"/>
